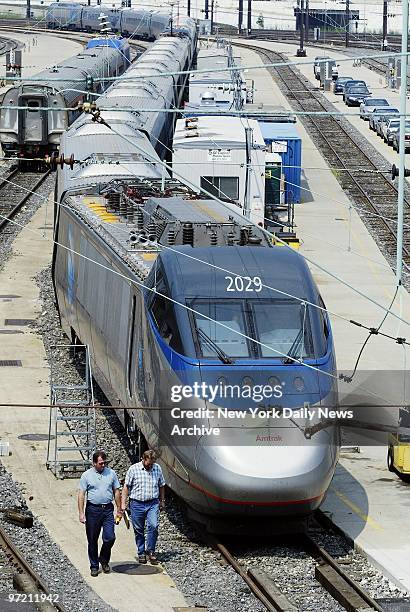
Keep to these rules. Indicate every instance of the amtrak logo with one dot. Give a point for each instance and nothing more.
(70, 268)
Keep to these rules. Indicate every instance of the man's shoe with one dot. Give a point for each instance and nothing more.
(94, 571)
(106, 568)
(142, 559)
(152, 558)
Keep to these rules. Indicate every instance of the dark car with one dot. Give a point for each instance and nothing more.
(378, 113)
(352, 83)
(356, 95)
(340, 84)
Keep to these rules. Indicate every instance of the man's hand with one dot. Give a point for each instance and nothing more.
(162, 504)
(81, 517)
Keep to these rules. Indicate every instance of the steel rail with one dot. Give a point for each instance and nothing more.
(374, 192)
(17, 559)
(5, 182)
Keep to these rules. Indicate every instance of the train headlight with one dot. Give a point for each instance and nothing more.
(247, 381)
(222, 382)
(299, 383)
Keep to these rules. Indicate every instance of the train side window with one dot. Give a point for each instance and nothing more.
(163, 313)
(323, 317)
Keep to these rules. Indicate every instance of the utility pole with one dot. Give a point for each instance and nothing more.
(384, 44)
(301, 51)
(347, 23)
(249, 28)
(171, 19)
(240, 16)
(402, 142)
(188, 8)
(212, 17)
(307, 21)
(206, 9)
(28, 10)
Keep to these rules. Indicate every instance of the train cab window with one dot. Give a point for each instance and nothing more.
(33, 106)
(228, 336)
(222, 187)
(163, 313)
(284, 326)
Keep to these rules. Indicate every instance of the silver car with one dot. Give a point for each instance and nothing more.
(390, 128)
(396, 138)
(368, 106)
(378, 113)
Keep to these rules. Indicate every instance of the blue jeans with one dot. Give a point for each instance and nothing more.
(145, 512)
(97, 518)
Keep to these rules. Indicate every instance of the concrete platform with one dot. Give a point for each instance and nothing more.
(54, 501)
(365, 500)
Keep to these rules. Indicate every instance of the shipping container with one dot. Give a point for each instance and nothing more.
(283, 138)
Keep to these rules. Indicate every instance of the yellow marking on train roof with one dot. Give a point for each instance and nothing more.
(358, 511)
(149, 256)
(209, 211)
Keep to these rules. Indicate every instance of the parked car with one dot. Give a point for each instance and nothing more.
(384, 118)
(378, 113)
(356, 95)
(352, 83)
(317, 63)
(369, 104)
(340, 84)
(390, 128)
(396, 138)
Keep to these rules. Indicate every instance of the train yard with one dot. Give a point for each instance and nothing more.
(335, 565)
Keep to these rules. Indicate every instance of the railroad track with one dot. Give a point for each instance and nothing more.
(16, 188)
(27, 581)
(328, 571)
(370, 189)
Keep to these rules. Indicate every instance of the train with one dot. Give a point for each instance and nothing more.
(130, 22)
(181, 298)
(28, 129)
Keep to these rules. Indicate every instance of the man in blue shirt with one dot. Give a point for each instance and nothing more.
(145, 485)
(101, 485)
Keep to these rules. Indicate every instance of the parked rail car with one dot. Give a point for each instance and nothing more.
(29, 127)
(130, 22)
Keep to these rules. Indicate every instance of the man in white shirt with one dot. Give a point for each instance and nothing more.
(145, 486)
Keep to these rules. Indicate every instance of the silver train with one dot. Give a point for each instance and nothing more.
(136, 23)
(27, 128)
(172, 291)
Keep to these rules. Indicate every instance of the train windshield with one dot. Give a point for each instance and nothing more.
(226, 328)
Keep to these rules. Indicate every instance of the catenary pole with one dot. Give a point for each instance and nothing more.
(384, 36)
(249, 17)
(240, 16)
(28, 9)
(402, 141)
(347, 23)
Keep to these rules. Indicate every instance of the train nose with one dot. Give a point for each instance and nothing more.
(269, 478)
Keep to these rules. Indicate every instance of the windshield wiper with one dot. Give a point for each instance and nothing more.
(221, 354)
(292, 354)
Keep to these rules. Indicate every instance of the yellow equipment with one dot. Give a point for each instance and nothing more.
(398, 456)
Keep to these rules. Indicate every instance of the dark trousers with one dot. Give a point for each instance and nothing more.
(97, 518)
(145, 512)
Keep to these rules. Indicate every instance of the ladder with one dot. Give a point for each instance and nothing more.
(72, 428)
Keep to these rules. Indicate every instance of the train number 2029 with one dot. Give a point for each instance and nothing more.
(244, 283)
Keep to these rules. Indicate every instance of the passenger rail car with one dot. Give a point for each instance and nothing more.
(151, 298)
(29, 125)
(130, 22)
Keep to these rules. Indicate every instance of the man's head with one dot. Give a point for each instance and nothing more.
(148, 459)
(99, 460)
